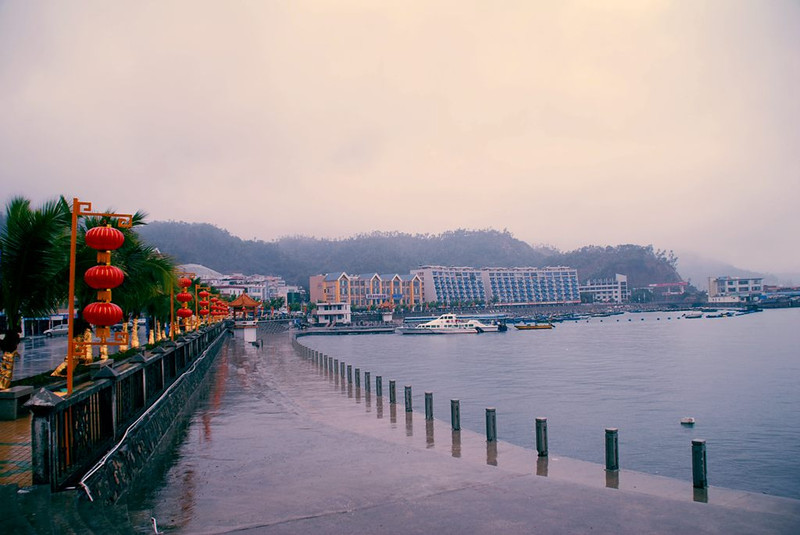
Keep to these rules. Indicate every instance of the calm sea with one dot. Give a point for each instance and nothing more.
(739, 377)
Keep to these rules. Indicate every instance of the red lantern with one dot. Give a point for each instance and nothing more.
(184, 297)
(184, 312)
(104, 277)
(203, 312)
(103, 314)
(104, 238)
(203, 294)
(203, 303)
(184, 282)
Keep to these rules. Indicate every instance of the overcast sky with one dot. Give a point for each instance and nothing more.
(672, 123)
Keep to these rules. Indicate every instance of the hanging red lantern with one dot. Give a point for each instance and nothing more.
(184, 312)
(103, 277)
(184, 282)
(104, 238)
(184, 297)
(103, 314)
(203, 294)
(203, 312)
(203, 303)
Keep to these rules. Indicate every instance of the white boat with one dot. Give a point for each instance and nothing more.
(451, 324)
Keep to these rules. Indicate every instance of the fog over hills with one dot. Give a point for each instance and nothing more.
(295, 258)
(697, 269)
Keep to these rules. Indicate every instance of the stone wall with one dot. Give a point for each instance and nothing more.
(152, 432)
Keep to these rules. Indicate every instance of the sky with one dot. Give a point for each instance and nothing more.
(570, 123)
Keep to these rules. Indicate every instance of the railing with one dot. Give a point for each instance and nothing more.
(70, 434)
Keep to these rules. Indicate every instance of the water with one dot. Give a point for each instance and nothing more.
(738, 377)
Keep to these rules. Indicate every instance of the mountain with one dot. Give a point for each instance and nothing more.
(295, 258)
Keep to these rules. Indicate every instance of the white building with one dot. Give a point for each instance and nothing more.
(333, 314)
(734, 289)
(259, 287)
(499, 285)
(607, 290)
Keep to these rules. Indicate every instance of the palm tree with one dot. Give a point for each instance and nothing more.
(34, 250)
(148, 276)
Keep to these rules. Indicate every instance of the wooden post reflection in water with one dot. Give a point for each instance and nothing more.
(409, 424)
(491, 453)
(541, 466)
(429, 433)
(612, 479)
(455, 437)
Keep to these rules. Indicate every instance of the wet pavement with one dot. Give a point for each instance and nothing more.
(39, 354)
(280, 446)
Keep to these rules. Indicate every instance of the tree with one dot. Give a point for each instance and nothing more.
(34, 252)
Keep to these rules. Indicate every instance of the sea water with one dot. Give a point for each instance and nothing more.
(739, 377)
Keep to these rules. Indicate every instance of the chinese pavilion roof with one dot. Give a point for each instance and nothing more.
(244, 301)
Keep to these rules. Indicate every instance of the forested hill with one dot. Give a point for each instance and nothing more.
(296, 258)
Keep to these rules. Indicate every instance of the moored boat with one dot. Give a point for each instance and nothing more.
(452, 324)
(533, 326)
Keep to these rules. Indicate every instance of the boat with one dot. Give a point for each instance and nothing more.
(452, 324)
(693, 315)
(687, 420)
(533, 326)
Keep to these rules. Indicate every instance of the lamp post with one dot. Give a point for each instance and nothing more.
(183, 276)
(202, 313)
(104, 239)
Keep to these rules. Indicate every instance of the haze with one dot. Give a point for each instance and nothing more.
(672, 123)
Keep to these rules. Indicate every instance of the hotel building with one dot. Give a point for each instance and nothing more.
(502, 286)
(367, 289)
(607, 290)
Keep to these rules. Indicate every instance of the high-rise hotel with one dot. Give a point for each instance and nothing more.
(502, 286)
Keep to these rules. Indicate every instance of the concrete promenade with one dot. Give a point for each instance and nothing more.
(281, 447)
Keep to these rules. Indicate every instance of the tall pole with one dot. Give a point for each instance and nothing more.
(172, 311)
(73, 246)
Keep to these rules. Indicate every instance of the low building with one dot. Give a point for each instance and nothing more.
(607, 290)
(734, 289)
(666, 291)
(331, 314)
(366, 290)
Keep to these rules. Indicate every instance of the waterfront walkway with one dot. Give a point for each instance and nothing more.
(281, 447)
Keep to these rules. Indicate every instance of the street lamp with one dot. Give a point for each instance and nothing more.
(184, 281)
(102, 277)
(202, 302)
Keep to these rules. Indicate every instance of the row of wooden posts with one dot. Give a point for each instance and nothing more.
(332, 365)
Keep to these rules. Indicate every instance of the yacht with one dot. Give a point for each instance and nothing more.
(452, 324)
